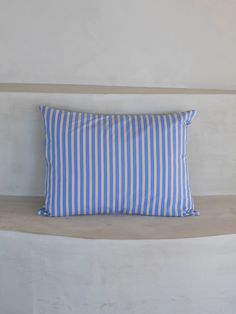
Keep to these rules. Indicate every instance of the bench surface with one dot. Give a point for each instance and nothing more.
(217, 217)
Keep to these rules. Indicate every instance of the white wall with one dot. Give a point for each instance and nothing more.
(212, 136)
(58, 275)
(172, 43)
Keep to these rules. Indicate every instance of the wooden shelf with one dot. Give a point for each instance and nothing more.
(217, 217)
(96, 89)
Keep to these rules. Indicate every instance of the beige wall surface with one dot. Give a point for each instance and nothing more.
(172, 43)
(212, 136)
(164, 43)
(60, 275)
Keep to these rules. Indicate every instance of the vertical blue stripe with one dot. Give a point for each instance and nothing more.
(127, 209)
(135, 165)
(180, 128)
(53, 163)
(64, 162)
(48, 128)
(111, 164)
(105, 163)
(183, 164)
(158, 196)
(70, 133)
(58, 165)
(99, 162)
(116, 166)
(140, 164)
(92, 155)
(87, 149)
(48, 170)
(123, 192)
(146, 178)
(151, 192)
(43, 109)
(163, 166)
(174, 168)
(82, 164)
(168, 166)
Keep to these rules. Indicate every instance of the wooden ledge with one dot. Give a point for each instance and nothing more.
(217, 217)
(101, 89)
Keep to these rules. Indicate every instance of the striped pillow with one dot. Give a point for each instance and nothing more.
(116, 164)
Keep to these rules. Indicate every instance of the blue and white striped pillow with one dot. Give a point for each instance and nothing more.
(116, 164)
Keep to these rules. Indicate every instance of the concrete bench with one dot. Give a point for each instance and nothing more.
(118, 265)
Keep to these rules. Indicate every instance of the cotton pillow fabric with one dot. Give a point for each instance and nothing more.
(116, 164)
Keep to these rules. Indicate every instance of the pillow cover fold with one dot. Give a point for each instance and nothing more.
(116, 163)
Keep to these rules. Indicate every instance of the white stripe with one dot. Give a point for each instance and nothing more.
(67, 162)
(90, 205)
(102, 163)
(113, 164)
(61, 165)
(47, 157)
(119, 160)
(167, 161)
(185, 168)
(161, 169)
(108, 163)
(148, 196)
(137, 163)
(51, 170)
(78, 163)
(125, 166)
(56, 164)
(176, 163)
(181, 162)
(96, 163)
(85, 162)
(73, 162)
(172, 166)
(143, 163)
